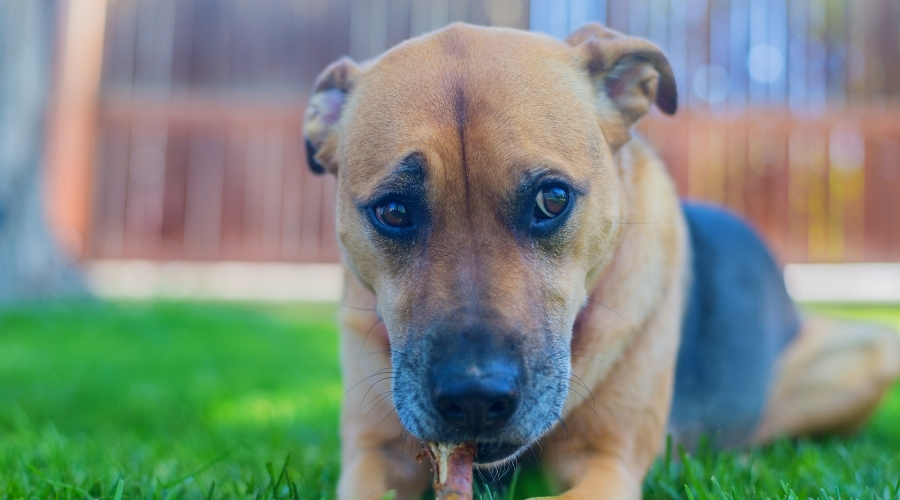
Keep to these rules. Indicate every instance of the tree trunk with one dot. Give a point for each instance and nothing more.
(31, 264)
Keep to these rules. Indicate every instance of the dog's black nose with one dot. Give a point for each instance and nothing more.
(473, 398)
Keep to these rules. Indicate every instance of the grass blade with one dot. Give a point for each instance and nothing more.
(119, 490)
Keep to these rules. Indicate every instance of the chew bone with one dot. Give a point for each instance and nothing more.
(452, 467)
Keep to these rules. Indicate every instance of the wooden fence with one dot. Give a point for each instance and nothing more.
(823, 190)
(199, 152)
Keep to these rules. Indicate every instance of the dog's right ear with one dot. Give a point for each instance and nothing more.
(330, 93)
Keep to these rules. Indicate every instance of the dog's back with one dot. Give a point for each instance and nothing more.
(738, 319)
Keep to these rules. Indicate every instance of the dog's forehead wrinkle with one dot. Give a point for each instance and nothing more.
(460, 113)
(459, 104)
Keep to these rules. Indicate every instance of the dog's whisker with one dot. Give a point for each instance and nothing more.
(592, 404)
(380, 399)
(627, 223)
(386, 415)
(513, 465)
(410, 442)
(373, 399)
(379, 372)
(366, 337)
(592, 354)
(610, 309)
(481, 475)
(556, 449)
(593, 357)
(584, 399)
(568, 434)
(405, 444)
(572, 389)
(590, 357)
(586, 387)
(592, 407)
(348, 306)
(372, 387)
(585, 349)
(503, 469)
(492, 475)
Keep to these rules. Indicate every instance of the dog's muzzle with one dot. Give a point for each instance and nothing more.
(474, 384)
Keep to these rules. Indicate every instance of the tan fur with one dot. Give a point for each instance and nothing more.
(481, 107)
(830, 379)
(631, 327)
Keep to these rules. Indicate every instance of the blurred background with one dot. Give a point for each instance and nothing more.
(174, 149)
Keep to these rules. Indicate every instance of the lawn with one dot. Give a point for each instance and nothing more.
(175, 400)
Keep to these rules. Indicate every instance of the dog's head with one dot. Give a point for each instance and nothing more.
(477, 198)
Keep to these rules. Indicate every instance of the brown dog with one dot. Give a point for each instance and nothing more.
(520, 271)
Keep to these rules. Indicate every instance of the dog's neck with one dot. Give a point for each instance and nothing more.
(641, 271)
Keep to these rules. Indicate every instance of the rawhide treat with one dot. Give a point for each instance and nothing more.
(452, 466)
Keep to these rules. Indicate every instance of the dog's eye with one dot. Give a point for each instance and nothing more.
(393, 214)
(550, 202)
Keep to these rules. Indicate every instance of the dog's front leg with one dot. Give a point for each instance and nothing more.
(368, 474)
(608, 459)
(600, 476)
(375, 457)
(604, 450)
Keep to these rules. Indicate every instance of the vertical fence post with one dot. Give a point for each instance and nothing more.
(73, 124)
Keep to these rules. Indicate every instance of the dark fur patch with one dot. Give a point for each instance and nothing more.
(738, 320)
(314, 165)
(407, 180)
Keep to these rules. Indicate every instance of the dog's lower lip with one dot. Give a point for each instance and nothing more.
(488, 453)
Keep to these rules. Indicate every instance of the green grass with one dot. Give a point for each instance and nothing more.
(172, 400)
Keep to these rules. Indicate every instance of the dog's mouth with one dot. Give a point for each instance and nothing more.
(490, 455)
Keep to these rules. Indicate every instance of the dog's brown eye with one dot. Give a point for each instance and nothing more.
(393, 213)
(550, 202)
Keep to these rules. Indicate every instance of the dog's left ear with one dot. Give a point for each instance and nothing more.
(330, 92)
(629, 74)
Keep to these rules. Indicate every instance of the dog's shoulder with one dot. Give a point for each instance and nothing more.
(738, 318)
